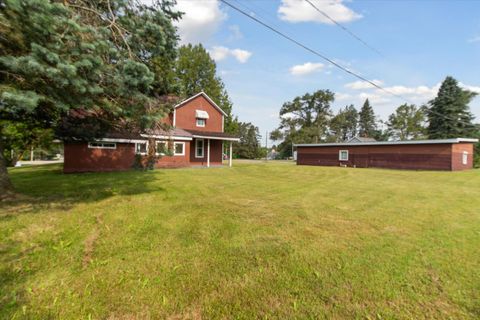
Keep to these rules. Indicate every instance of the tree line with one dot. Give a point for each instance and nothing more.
(310, 119)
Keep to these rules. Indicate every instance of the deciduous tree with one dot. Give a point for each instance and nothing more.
(344, 125)
(407, 123)
(197, 72)
(305, 119)
(249, 145)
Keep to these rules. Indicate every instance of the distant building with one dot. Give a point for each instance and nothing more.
(360, 140)
(272, 154)
(446, 154)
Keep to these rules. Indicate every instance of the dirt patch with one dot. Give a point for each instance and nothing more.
(91, 241)
(194, 314)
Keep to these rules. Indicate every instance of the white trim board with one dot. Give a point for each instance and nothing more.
(193, 97)
(90, 146)
(340, 155)
(120, 140)
(198, 125)
(203, 149)
(216, 138)
(174, 148)
(146, 148)
(166, 137)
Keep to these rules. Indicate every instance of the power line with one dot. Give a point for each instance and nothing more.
(344, 28)
(312, 50)
(373, 84)
(368, 46)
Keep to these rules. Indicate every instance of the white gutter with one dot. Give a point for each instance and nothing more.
(119, 140)
(383, 143)
(217, 138)
(167, 137)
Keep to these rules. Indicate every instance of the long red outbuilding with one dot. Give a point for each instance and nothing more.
(445, 154)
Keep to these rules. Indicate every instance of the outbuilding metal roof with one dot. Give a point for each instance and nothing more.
(383, 143)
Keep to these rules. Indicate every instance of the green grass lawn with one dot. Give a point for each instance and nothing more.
(267, 241)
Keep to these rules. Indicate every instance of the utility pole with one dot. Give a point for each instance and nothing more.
(292, 150)
(266, 145)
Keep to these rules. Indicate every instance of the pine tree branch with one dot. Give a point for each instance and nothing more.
(112, 25)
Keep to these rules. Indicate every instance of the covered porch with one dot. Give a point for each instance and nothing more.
(207, 148)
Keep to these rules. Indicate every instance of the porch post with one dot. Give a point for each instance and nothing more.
(230, 156)
(208, 153)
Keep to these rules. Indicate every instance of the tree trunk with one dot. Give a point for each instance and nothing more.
(6, 187)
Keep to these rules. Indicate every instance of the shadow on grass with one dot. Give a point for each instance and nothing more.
(44, 188)
(47, 187)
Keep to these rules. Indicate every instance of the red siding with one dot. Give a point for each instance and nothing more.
(423, 157)
(175, 161)
(168, 119)
(457, 156)
(185, 115)
(80, 158)
(215, 153)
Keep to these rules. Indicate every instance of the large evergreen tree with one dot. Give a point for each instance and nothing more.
(367, 124)
(88, 55)
(407, 123)
(449, 115)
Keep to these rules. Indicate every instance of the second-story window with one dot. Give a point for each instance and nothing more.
(201, 122)
(201, 117)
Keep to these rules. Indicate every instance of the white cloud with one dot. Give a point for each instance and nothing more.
(420, 92)
(385, 103)
(416, 92)
(200, 21)
(241, 55)
(235, 33)
(474, 39)
(339, 96)
(375, 98)
(302, 11)
(306, 68)
(361, 85)
(220, 53)
(471, 88)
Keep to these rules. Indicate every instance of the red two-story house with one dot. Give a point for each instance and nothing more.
(196, 139)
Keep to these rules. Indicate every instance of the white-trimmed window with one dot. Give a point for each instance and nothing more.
(141, 148)
(199, 148)
(343, 155)
(201, 122)
(465, 157)
(102, 145)
(162, 147)
(179, 148)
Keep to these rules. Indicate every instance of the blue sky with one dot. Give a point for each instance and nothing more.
(421, 42)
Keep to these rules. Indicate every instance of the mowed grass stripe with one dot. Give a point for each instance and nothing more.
(260, 240)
